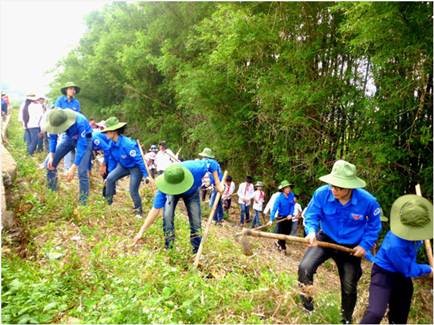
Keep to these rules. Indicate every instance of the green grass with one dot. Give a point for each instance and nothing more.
(79, 267)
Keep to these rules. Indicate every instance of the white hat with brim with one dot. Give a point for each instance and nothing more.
(343, 175)
(59, 120)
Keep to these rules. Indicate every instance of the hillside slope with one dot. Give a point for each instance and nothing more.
(67, 264)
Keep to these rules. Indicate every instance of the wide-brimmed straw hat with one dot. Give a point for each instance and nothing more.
(113, 124)
(411, 217)
(176, 179)
(284, 184)
(68, 85)
(207, 153)
(343, 175)
(59, 120)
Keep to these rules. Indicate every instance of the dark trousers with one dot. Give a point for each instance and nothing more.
(283, 227)
(388, 289)
(349, 268)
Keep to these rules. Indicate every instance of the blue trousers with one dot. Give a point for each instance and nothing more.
(62, 149)
(388, 289)
(135, 179)
(218, 215)
(33, 141)
(192, 203)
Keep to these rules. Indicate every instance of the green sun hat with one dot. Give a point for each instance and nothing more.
(113, 124)
(207, 153)
(411, 217)
(176, 179)
(68, 85)
(343, 175)
(284, 184)
(59, 120)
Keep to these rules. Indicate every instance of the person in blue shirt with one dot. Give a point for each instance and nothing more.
(68, 100)
(78, 135)
(284, 206)
(100, 143)
(207, 155)
(181, 180)
(343, 213)
(129, 161)
(395, 263)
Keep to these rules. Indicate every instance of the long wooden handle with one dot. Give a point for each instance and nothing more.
(427, 242)
(267, 225)
(146, 165)
(254, 233)
(211, 215)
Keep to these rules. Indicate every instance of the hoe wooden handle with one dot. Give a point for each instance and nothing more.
(254, 233)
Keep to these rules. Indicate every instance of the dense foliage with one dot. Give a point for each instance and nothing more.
(278, 90)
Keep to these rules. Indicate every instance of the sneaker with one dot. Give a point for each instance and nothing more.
(138, 216)
(279, 248)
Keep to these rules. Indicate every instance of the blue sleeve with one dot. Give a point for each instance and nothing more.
(405, 264)
(275, 208)
(159, 200)
(57, 103)
(214, 166)
(82, 141)
(291, 208)
(312, 215)
(52, 142)
(138, 159)
(373, 227)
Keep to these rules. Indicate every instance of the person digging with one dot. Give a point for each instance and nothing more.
(347, 215)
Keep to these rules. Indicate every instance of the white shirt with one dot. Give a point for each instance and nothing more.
(36, 112)
(149, 158)
(297, 212)
(258, 200)
(245, 193)
(229, 190)
(163, 159)
(270, 203)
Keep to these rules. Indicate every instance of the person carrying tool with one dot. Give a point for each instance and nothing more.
(129, 161)
(395, 263)
(347, 215)
(150, 160)
(284, 207)
(208, 156)
(182, 180)
(78, 135)
(258, 202)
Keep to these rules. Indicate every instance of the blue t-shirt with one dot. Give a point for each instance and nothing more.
(64, 102)
(285, 205)
(198, 168)
(356, 222)
(100, 142)
(399, 255)
(126, 152)
(80, 131)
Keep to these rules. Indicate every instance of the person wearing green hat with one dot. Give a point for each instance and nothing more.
(78, 135)
(395, 263)
(128, 159)
(208, 156)
(284, 208)
(68, 101)
(182, 180)
(340, 212)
